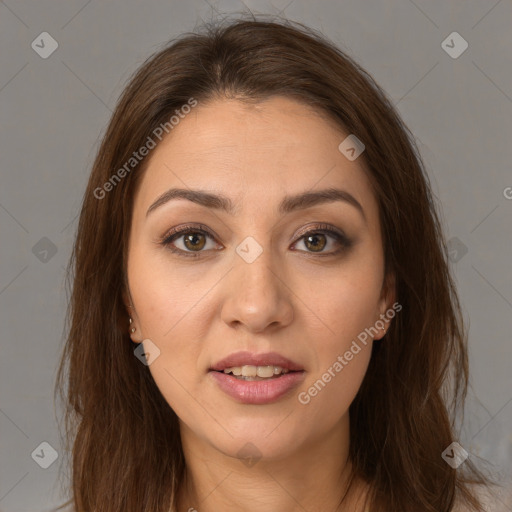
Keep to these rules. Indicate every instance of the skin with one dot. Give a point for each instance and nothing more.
(291, 300)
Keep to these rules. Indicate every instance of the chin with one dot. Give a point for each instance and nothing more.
(263, 437)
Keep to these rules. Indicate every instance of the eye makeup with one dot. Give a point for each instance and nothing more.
(200, 230)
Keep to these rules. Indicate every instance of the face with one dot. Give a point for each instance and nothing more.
(282, 280)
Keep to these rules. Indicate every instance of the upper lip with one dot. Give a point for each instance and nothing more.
(248, 358)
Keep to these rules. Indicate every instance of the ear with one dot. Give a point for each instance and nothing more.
(386, 304)
(133, 326)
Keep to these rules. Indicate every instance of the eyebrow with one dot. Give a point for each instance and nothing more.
(288, 204)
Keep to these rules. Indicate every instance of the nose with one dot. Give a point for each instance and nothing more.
(256, 296)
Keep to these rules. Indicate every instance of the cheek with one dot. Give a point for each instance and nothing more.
(164, 295)
(342, 341)
(341, 356)
(349, 304)
(172, 315)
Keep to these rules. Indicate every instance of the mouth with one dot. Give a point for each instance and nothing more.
(256, 379)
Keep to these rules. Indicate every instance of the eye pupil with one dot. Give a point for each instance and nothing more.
(192, 238)
(316, 248)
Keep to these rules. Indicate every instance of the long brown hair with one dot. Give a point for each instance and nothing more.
(124, 438)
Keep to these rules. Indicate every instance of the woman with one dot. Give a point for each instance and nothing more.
(262, 314)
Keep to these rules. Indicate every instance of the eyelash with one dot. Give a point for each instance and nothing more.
(324, 229)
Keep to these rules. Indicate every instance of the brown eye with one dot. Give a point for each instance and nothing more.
(315, 242)
(194, 241)
(322, 240)
(189, 241)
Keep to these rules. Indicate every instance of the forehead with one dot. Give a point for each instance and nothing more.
(270, 149)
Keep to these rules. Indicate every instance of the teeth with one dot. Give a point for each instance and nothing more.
(264, 371)
(256, 371)
(249, 371)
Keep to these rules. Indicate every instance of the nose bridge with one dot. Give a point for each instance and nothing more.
(256, 269)
(257, 296)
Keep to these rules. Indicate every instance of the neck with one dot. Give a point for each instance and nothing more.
(315, 476)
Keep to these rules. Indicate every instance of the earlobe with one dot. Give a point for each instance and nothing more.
(133, 330)
(132, 323)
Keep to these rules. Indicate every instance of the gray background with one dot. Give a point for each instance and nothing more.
(54, 110)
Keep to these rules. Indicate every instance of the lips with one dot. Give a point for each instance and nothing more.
(257, 392)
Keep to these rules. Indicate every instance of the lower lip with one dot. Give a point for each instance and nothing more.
(257, 392)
